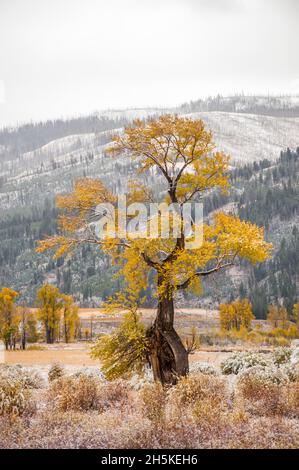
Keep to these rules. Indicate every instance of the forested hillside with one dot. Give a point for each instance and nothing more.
(264, 192)
(40, 160)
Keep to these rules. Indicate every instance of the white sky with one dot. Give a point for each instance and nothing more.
(65, 57)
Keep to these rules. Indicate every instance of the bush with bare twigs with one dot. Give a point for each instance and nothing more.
(153, 402)
(70, 393)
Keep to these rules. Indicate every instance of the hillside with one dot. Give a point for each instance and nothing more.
(251, 137)
(283, 106)
(31, 175)
(40, 160)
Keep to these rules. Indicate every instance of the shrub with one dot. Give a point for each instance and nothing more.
(292, 371)
(281, 355)
(291, 399)
(283, 342)
(74, 393)
(153, 402)
(203, 368)
(91, 372)
(240, 361)
(84, 392)
(294, 359)
(13, 398)
(28, 379)
(15, 391)
(56, 371)
(195, 388)
(113, 394)
(138, 381)
(261, 390)
(210, 412)
(267, 375)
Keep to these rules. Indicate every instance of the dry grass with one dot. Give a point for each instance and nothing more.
(47, 356)
(77, 354)
(113, 416)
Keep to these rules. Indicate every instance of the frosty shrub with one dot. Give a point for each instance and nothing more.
(153, 402)
(13, 398)
(294, 359)
(266, 375)
(210, 412)
(29, 379)
(15, 391)
(261, 388)
(292, 371)
(244, 360)
(74, 393)
(203, 368)
(138, 381)
(56, 371)
(91, 372)
(291, 399)
(113, 394)
(281, 355)
(194, 388)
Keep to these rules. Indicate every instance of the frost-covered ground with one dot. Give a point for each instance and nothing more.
(251, 401)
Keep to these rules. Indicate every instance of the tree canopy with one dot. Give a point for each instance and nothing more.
(181, 152)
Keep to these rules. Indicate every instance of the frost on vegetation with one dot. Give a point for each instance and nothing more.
(73, 393)
(56, 371)
(294, 358)
(280, 366)
(281, 355)
(241, 361)
(264, 375)
(28, 378)
(292, 371)
(203, 368)
(16, 384)
(85, 392)
(138, 381)
(90, 372)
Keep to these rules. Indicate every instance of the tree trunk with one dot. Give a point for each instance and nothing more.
(168, 356)
(23, 342)
(49, 335)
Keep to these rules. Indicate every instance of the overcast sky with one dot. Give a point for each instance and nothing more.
(65, 57)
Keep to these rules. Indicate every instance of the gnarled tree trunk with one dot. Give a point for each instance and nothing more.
(168, 356)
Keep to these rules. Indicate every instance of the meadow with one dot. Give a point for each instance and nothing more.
(239, 394)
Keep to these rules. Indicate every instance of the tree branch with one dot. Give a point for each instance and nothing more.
(185, 284)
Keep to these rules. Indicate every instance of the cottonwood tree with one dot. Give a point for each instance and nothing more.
(70, 317)
(277, 316)
(295, 315)
(9, 320)
(49, 304)
(181, 153)
(28, 325)
(236, 315)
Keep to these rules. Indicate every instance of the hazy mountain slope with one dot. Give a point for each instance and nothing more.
(284, 106)
(52, 168)
(250, 137)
